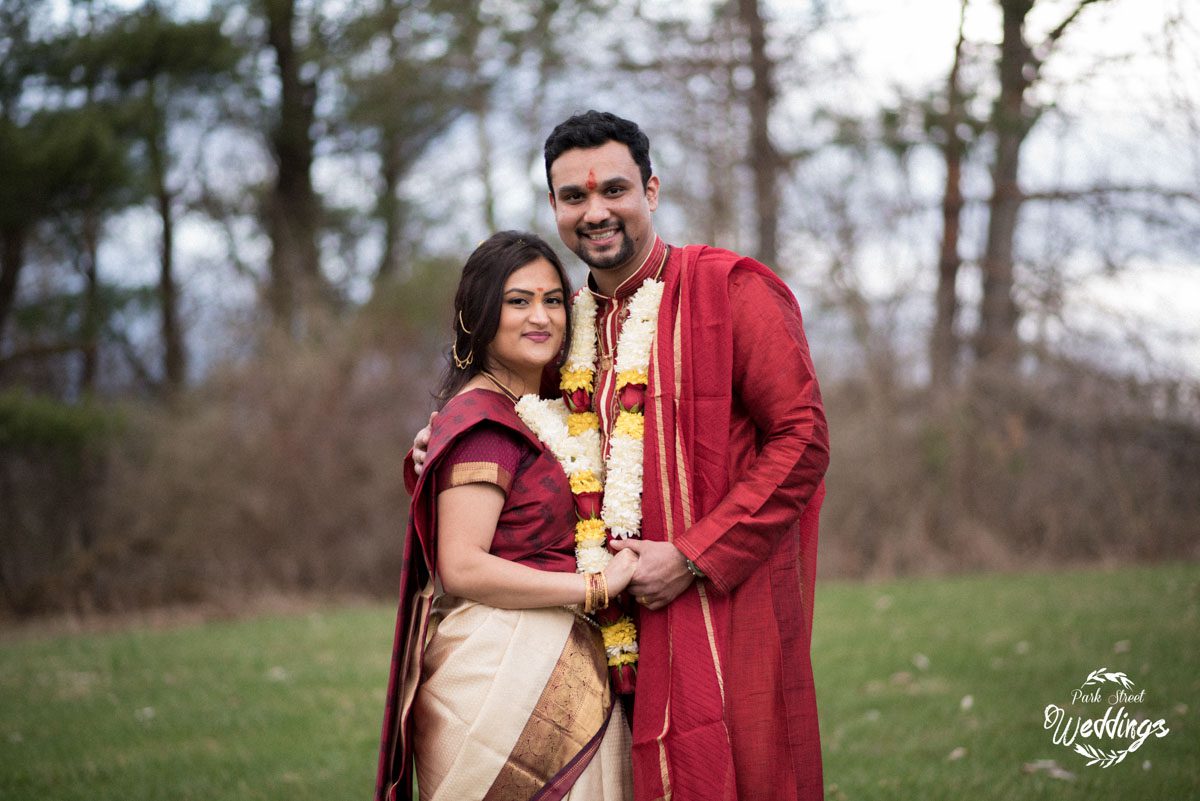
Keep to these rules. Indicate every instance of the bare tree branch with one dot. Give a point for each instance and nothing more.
(41, 351)
(1103, 190)
(1058, 32)
(1042, 52)
(133, 359)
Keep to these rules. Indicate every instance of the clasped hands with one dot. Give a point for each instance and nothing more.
(661, 573)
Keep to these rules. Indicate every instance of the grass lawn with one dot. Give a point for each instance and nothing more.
(896, 661)
(287, 707)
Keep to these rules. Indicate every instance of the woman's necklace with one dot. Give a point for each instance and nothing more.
(512, 396)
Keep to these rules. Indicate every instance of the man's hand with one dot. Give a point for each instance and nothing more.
(661, 573)
(421, 445)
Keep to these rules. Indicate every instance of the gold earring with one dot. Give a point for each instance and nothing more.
(462, 364)
(460, 322)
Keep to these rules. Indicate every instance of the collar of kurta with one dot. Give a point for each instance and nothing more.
(651, 267)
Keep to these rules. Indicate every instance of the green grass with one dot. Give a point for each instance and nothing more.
(269, 708)
(288, 707)
(1014, 644)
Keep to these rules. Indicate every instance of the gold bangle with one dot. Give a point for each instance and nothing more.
(603, 582)
(589, 593)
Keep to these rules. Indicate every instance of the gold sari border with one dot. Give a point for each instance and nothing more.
(479, 472)
(572, 709)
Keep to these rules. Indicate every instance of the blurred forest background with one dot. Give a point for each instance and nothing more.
(229, 233)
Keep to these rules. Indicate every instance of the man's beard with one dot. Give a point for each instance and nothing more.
(624, 253)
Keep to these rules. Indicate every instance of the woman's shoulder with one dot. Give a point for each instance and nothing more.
(477, 409)
(479, 438)
(480, 403)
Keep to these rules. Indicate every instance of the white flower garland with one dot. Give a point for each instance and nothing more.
(574, 439)
(582, 353)
(622, 511)
(548, 420)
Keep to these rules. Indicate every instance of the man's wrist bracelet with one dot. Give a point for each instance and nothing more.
(695, 571)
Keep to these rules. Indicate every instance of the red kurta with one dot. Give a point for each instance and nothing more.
(736, 450)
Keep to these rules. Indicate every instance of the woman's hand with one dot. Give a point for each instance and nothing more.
(620, 571)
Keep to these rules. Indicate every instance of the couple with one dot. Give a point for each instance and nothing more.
(682, 464)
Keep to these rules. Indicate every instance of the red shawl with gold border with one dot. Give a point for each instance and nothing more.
(736, 450)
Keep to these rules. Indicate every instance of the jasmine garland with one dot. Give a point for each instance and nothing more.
(572, 432)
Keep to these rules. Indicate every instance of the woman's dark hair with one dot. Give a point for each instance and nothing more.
(593, 129)
(479, 299)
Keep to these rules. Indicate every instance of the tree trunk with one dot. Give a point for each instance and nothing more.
(535, 157)
(943, 345)
(174, 356)
(720, 214)
(718, 224)
(996, 345)
(12, 259)
(293, 216)
(484, 143)
(388, 209)
(91, 302)
(764, 158)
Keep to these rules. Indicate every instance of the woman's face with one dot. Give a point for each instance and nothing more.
(533, 317)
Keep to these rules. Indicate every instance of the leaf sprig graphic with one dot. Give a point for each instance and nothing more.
(1096, 756)
(1102, 675)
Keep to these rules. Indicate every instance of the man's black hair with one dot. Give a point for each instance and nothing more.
(593, 129)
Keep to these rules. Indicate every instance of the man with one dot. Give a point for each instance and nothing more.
(735, 450)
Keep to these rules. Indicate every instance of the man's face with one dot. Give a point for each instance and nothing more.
(600, 207)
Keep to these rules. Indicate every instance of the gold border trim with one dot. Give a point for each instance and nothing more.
(668, 510)
(479, 472)
(579, 683)
(680, 464)
(712, 639)
(685, 493)
(669, 520)
(665, 774)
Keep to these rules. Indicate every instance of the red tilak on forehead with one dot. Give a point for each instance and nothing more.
(591, 181)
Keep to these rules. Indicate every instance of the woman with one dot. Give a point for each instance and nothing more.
(498, 689)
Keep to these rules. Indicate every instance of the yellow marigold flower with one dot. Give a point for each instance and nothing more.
(629, 424)
(589, 531)
(623, 632)
(578, 423)
(585, 481)
(635, 376)
(571, 380)
(623, 658)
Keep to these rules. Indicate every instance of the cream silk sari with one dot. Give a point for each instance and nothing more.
(515, 705)
(491, 703)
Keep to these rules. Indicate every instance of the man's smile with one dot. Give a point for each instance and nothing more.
(600, 235)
